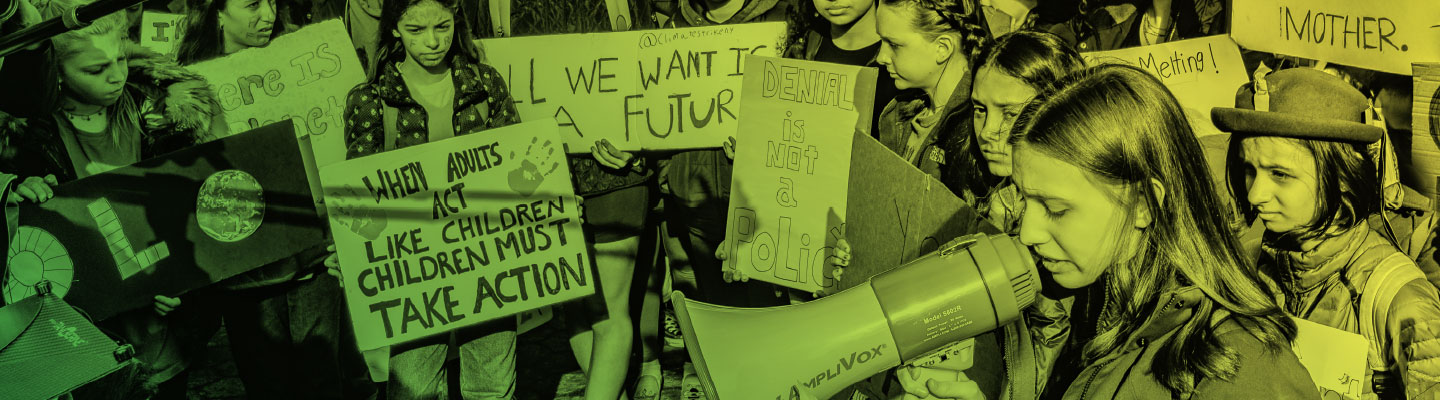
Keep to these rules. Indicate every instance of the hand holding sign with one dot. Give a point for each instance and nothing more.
(164, 305)
(35, 189)
(839, 259)
(610, 156)
(728, 272)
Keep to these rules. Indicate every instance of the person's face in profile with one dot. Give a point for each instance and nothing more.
(426, 29)
(246, 23)
(912, 59)
(96, 69)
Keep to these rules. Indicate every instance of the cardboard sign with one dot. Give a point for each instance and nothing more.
(792, 161)
(302, 76)
(1380, 35)
(898, 213)
(1424, 170)
(168, 225)
(1335, 358)
(1202, 73)
(161, 31)
(653, 90)
(452, 233)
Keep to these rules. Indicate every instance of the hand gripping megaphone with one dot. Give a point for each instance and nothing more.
(970, 286)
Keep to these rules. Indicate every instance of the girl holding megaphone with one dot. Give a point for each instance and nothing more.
(1115, 205)
(1166, 305)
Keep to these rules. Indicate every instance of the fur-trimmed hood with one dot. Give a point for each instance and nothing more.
(184, 98)
(180, 100)
(172, 107)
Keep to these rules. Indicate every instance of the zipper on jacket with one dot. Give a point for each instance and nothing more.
(1009, 361)
(1086, 389)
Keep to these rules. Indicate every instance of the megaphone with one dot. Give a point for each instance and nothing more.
(970, 286)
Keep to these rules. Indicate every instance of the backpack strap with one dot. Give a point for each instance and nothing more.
(1390, 275)
(391, 115)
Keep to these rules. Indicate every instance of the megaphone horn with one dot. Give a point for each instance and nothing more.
(971, 286)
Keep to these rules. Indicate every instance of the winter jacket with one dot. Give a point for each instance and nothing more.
(1325, 285)
(171, 107)
(1413, 225)
(1031, 345)
(482, 101)
(1126, 373)
(950, 154)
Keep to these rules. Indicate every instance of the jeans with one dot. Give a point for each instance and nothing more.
(487, 364)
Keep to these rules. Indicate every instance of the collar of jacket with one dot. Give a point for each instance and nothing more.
(1310, 269)
(1173, 308)
(752, 9)
(468, 88)
(913, 101)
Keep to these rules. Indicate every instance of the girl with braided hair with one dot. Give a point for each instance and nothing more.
(928, 47)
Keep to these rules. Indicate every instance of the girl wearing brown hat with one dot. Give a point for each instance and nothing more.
(1299, 162)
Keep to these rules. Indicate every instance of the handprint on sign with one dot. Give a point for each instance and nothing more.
(525, 179)
(351, 211)
(786, 195)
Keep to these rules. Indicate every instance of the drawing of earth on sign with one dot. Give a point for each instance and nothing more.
(35, 255)
(230, 205)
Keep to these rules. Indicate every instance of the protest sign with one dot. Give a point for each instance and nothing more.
(1380, 35)
(1335, 359)
(161, 31)
(164, 226)
(897, 213)
(451, 233)
(302, 76)
(1202, 73)
(652, 90)
(1424, 170)
(792, 161)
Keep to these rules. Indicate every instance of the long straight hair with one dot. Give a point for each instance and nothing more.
(390, 49)
(964, 172)
(1123, 126)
